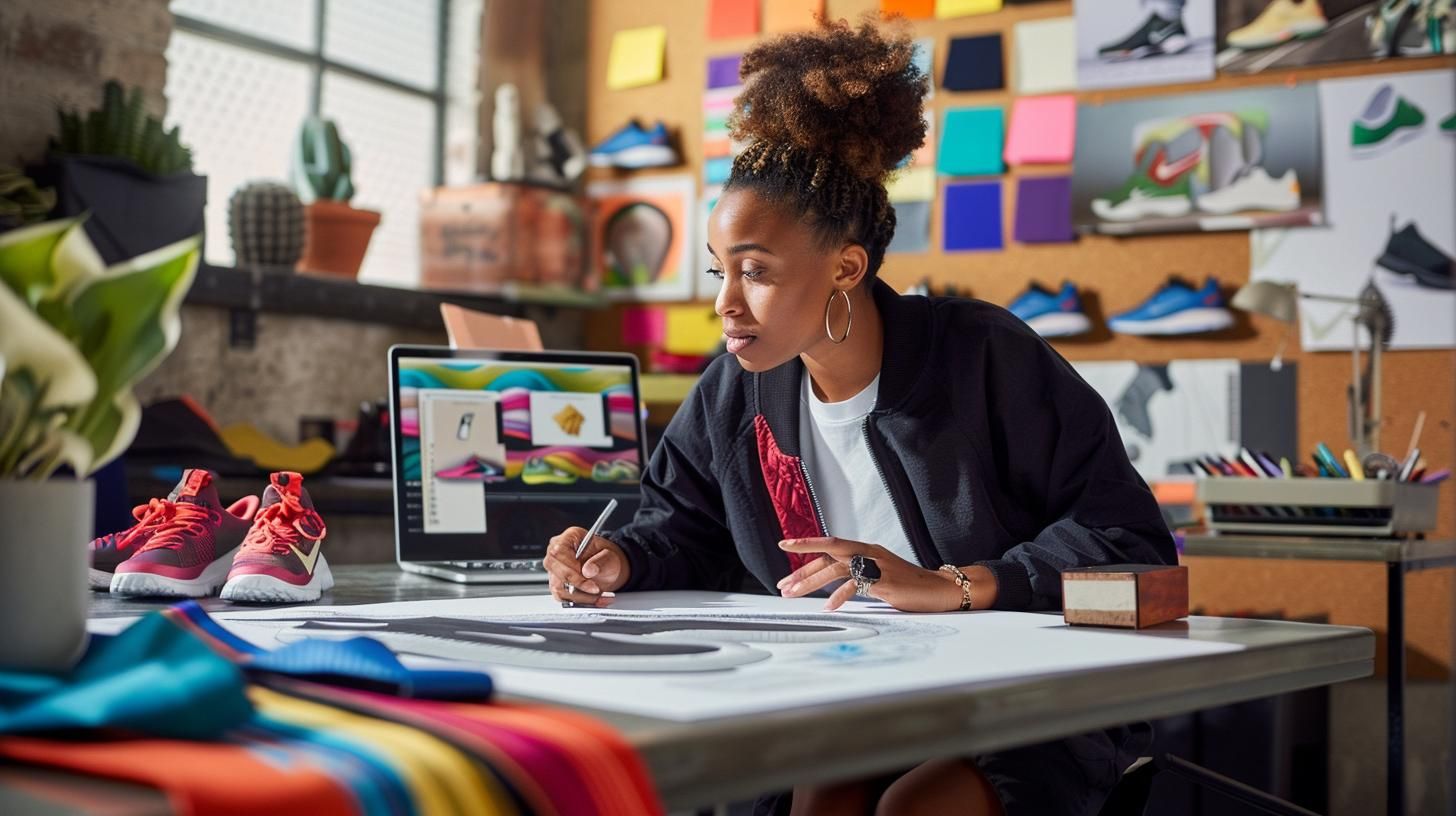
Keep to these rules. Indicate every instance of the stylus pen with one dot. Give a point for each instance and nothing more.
(590, 534)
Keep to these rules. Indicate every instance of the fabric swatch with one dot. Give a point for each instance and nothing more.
(914, 184)
(972, 217)
(1043, 130)
(965, 8)
(912, 227)
(1046, 55)
(723, 71)
(974, 64)
(636, 57)
(1044, 210)
(909, 9)
(781, 16)
(729, 19)
(971, 143)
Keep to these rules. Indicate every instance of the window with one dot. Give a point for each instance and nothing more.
(398, 76)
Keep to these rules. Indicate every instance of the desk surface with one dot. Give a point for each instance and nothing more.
(1419, 554)
(697, 764)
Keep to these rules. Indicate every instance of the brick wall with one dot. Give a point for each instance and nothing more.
(60, 52)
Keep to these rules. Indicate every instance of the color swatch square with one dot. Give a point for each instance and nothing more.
(972, 217)
(730, 19)
(974, 64)
(971, 142)
(1044, 210)
(1043, 130)
(912, 227)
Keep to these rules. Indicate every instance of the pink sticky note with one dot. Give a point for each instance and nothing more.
(1043, 130)
(643, 326)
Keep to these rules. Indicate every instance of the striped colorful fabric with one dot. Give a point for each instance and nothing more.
(324, 748)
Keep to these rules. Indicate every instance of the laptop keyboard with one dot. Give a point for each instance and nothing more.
(500, 566)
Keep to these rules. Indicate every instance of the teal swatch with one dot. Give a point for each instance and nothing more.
(971, 142)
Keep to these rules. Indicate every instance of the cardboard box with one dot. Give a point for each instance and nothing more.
(488, 238)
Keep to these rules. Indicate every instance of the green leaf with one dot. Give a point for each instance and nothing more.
(31, 345)
(128, 318)
(111, 432)
(25, 258)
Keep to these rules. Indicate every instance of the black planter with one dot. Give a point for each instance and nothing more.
(131, 210)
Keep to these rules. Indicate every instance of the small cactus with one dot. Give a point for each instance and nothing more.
(122, 128)
(265, 220)
(321, 163)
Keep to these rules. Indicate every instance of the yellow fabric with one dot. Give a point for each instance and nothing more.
(246, 441)
(442, 780)
(962, 8)
(636, 57)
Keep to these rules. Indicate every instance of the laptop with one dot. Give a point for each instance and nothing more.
(497, 451)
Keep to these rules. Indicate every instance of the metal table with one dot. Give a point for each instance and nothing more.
(701, 763)
(1399, 556)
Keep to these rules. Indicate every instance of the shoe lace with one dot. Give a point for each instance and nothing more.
(175, 522)
(280, 525)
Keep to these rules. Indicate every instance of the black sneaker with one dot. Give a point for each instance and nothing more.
(1156, 37)
(1409, 253)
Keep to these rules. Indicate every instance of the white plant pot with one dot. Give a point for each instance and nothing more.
(44, 593)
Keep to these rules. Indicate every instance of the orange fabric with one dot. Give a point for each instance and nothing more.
(196, 777)
(912, 9)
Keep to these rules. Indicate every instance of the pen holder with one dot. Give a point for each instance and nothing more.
(1319, 507)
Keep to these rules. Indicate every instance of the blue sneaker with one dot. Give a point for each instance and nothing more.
(634, 148)
(1176, 308)
(1052, 314)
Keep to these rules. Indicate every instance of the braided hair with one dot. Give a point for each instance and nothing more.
(827, 117)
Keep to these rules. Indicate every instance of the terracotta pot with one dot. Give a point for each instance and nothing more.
(335, 237)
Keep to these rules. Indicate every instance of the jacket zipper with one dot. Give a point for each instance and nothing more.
(884, 480)
(813, 498)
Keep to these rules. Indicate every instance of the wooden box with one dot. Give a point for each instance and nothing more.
(1132, 596)
(496, 238)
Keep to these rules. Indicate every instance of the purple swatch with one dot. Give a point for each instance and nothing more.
(1044, 210)
(723, 71)
(972, 216)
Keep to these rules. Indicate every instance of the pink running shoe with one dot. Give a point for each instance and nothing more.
(180, 547)
(281, 560)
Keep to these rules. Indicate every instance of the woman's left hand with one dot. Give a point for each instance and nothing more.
(901, 584)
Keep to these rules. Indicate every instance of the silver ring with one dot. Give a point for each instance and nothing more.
(864, 573)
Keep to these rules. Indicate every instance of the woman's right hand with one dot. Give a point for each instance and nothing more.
(591, 581)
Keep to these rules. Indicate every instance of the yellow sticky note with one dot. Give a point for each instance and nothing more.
(912, 184)
(964, 8)
(636, 57)
(692, 329)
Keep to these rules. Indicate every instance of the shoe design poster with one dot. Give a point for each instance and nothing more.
(1169, 413)
(1274, 35)
(1126, 43)
(691, 656)
(641, 231)
(1390, 156)
(1231, 160)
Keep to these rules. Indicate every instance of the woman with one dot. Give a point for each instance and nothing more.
(935, 452)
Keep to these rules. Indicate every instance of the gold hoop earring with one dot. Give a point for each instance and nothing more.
(849, 311)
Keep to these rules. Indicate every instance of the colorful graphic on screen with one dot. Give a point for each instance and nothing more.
(489, 421)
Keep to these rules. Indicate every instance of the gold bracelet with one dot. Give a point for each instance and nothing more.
(961, 581)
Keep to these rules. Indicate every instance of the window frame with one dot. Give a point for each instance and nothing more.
(319, 64)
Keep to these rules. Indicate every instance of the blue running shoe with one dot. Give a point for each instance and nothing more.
(1052, 314)
(633, 148)
(1176, 308)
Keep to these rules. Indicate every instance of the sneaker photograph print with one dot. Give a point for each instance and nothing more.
(1388, 121)
(188, 547)
(281, 559)
(1280, 22)
(1156, 37)
(1176, 309)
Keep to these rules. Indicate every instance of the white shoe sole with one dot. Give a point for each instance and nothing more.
(1270, 195)
(267, 589)
(634, 158)
(149, 584)
(1060, 324)
(1188, 321)
(1130, 210)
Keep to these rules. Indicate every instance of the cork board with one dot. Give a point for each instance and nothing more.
(1116, 273)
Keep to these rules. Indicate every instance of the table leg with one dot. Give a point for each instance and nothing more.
(1395, 689)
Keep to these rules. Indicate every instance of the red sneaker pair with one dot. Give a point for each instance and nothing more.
(187, 545)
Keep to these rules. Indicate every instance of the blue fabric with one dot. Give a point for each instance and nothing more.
(155, 678)
(376, 787)
(357, 662)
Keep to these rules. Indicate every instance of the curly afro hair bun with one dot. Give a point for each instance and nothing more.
(850, 95)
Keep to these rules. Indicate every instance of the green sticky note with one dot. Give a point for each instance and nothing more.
(970, 142)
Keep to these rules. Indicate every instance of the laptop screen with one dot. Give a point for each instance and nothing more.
(496, 453)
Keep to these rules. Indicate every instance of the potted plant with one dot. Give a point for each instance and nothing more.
(75, 335)
(336, 235)
(132, 178)
(21, 202)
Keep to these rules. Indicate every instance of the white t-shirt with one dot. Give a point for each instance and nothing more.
(852, 494)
